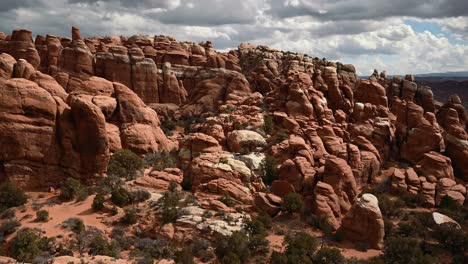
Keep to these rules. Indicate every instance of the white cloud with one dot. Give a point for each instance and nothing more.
(360, 32)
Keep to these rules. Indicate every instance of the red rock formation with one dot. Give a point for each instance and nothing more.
(364, 222)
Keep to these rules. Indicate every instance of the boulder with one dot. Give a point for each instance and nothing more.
(262, 202)
(364, 222)
(435, 164)
(245, 141)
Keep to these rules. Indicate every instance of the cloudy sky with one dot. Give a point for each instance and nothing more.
(400, 36)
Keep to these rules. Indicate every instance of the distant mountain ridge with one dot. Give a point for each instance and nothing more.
(444, 74)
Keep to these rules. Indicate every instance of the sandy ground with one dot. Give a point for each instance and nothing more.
(58, 213)
(348, 250)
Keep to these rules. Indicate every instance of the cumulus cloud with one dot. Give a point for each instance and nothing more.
(368, 9)
(368, 33)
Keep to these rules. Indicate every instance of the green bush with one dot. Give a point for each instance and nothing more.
(265, 219)
(130, 217)
(7, 213)
(7, 228)
(120, 197)
(234, 247)
(227, 200)
(257, 236)
(200, 248)
(186, 184)
(139, 196)
(100, 246)
(292, 203)
(11, 196)
(169, 204)
(109, 183)
(74, 224)
(98, 202)
(452, 238)
(184, 256)
(162, 160)
(268, 124)
(300, 247)
(328, 255)
(168, 126)
(403, 250)
(271, 172)
(278, 258)
(42, 216)
(121, 235)
(449, 204)
(28, 244)
(231, 258)
(70, 190)
(124, 164)
(156, 248)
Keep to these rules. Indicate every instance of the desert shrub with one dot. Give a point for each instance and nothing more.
(449, 204)
(114, 210)
(162, 160)
(11, 196)
(42, 216)
(233, 247)
(390, 207)
(139, 196)
(300, 247)
(281, 136)
(200, 248)
(186, 184)
(98, 202)
(258, 243)
(271, 172)
(411, 200)
(265, 219)
(120, 197)
(169, 205)
(278, 258)
(74, 224)
(452, 238)
(268, 124)
(184, 256)
(328, 255)
(120, 235)
(403, 250)
(255, 227)
(130, 217)
(125, 164)
(257, 236)
(7, 228)
(292, 203)
(63, 251)
(106, 184)
(168, 126)
(388, 226)
(70, 189)
(231, 258)
(7, 213)
(27, 245)
(100, 246)
(155, 248)
(227, 200)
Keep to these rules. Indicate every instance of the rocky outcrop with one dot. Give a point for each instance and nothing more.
(245, 141)
(364, 223)
(327, 205)
(339, 175)
(47, 131)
